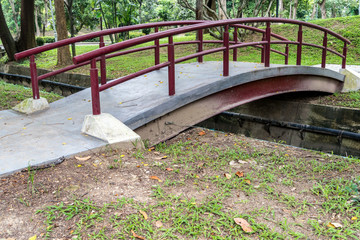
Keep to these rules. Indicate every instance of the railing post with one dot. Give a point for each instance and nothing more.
(226, 52)
(263, 49)
(268, 47)
(236, 41)
(34, 78)
(344, 54)
(323, 60)
(102, 62)
(200, 44)
(299, 47)
(157, 48)
(287, 54)
(95, 95)
(171, 68)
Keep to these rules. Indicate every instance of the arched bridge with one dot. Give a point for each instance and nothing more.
(162, 100)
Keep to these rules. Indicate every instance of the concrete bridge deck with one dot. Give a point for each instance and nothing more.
(43, 138)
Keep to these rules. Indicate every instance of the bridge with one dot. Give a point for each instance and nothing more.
(160, 101)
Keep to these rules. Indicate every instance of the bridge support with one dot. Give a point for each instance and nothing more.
(106, 127)
(30, 105)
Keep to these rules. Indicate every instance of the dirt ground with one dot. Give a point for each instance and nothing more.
(280, 204)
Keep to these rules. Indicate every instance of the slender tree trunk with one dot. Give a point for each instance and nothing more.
(281, 8)
(63, 53)
(295, 9)
(222, 9)
(199, 10)
(27, 34)
(37, 22)
(69, 6)
(45, 17)
(323, 9)
(6, 38)
(313, 14)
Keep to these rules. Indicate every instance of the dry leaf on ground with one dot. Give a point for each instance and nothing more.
(247, 181)
(144, 214)
(137, 236)
(244, 224)
(202, 133)
(239, 174)
(169, 169)
(158, 224)
(228, 176)
(334, 225)
(160, 158)
(155, 178)
(83, 158)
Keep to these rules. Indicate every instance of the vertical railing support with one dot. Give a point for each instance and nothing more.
(200, 44)
(344, 54)
(267, 45)
(299, 47)
(226, 52)
(34, 78)
(236, 41)
(171, 68)
(95, 95)
(323, 59)
(157, 48)
(287, 54)
(263, 49)
(102, 62)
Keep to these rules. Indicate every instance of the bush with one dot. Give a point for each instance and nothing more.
(92, 40)
(135, 34)
(146, 31)
(40, 41)
(49, 39)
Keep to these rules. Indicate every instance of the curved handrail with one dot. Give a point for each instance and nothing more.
(132, 42)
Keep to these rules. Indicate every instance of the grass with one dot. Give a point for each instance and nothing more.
(11, 94)
(199, 167)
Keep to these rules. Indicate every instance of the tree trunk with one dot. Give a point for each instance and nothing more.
(63, 53)
(313, 14)
(222, 9)
(27, 34)
(295, 9)
(322, 8)
(37, 22)
(45, 17)
(6, 38)
(199, 10)
(69, 6)
(281, 8)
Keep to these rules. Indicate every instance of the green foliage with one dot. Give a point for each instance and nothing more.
(48, 39)
(40, 41)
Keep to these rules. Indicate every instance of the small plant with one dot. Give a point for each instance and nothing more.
(31, 178)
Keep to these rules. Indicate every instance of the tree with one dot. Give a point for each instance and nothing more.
(63, 53)
(6, 37)
(27, 33)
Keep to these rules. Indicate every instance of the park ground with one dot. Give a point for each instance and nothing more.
(190, 187)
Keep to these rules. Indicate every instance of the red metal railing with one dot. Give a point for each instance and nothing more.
(105, 52)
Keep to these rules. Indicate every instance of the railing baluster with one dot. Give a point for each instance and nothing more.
(226, 52)
(236, 41)
(171, 68)
(95, 96)
(102, 62)
(323, 60)
(344, 53)
(299, 47)
(34, 78)
(287, 54)
(157, 48)
(200, 44)
(268, 46)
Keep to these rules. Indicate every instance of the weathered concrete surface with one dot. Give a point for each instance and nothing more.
(47, 136)
(352, 80)
(30, 105)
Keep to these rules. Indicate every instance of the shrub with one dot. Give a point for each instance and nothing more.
(40, 41)
(146, 31)
(135, 34)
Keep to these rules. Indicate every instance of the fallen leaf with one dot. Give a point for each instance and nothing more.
(152, 148)
(158, 224)
(83, 158)
(202, 133)
(155, 178)
(239, 174)
(247, 181)
(69, 118)
(228, 176)
(169, 169)
(354, 218)
(244, 224)
(33, 238)
(334, 225)
(137, 236)
(144, 214)
(160, 158)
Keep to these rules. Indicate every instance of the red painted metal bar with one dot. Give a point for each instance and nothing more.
(95, 96)
(344, 54)
(235, 42)
(287, 54)
(171, 67)
(102, 62)
(226, 52)
(299, 47)
(157, 48)
(205, 52)
(267, 45)
(263, 49)
(200, 44)
(131, 76)
(323, 59)
(34, 79)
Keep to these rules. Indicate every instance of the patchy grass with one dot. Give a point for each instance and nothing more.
(191, 187)
(11, 94)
